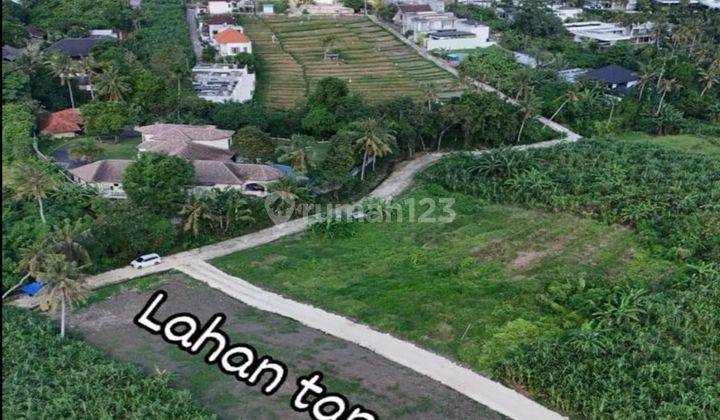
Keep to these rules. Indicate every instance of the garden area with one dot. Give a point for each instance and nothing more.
(584, 259)
(375, 64)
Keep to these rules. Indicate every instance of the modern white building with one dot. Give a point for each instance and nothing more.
(231, 41)
(607, 34)
(223, 82)
(566, 13)
(219, 7)
(466, 34)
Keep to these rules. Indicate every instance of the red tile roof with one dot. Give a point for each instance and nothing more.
(231, 36)
(219, 20)
(65, 121)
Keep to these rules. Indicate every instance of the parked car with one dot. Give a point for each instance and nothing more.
(146, 261)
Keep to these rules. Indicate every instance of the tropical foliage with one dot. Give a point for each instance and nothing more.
(54, 378)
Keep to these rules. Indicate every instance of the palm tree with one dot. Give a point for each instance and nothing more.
(569, 96)
(111, 84)
(430, 97)
(298, 153)
(67, 240)
(666, 85)
(530, 105)
(374, 139)
(290, 193)
(234, 209)
(646, 74)
(195, 211)
(87, 66)
(31, 181)
(62, 67)
(62, 285)
(31, 259)
(523, 81)
(709, 77)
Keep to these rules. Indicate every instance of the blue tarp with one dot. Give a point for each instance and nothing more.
(32, 288)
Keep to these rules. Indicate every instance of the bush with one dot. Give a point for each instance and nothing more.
(333, 227)
(45, 376)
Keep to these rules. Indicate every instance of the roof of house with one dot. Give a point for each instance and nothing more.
(33, 31)
(231, 36)
(207, 172)
(212, 172)
(161, 131)
(78, 47)
(187, 150)
(220, 19)
(414, 8)
(612, 74)
(451, 33)
(110, 171)
(10, 53)
(65, 121)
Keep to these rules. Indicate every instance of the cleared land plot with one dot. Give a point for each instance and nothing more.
(365, 378)
(450, 287)
(375, 64)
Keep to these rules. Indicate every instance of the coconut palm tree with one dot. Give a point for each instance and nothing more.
(665, 86)
(709, 78)
(430, 97)
(67, 239)
(298, 153)
(195, 211)
(87, 66)
(63, 286)
(233, 209)
(523, 81)
(62, 67)
(111, 84)
(569, 96)
(31, 260)
(31, 180)
(646, 74)
(374, 139)
(291, 195)
(530, 104)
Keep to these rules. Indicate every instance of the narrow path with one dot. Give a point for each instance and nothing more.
(191, 17)
(481, 389)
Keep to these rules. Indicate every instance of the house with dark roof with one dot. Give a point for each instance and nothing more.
(65, 123)
(10, 53)
(614, 77)
(78, 47)
(251, 179)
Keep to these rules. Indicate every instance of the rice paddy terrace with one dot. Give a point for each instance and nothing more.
(375, 63)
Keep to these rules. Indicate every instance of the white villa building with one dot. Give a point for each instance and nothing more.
(466, 34)
(223, 82)
(607, 34)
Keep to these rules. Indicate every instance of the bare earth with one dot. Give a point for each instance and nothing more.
(389, 389)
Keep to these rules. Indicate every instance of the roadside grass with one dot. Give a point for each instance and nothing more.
(685, 142)
(375, 64)
(458, 288)
(142, 284)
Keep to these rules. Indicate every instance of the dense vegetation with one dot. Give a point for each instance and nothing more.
(677, 91)
(636, 348)
(45, 376)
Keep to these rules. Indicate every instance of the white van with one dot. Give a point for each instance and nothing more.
(146, 261)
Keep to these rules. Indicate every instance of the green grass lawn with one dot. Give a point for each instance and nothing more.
(122, 149)
(458, 288)
(685, 142)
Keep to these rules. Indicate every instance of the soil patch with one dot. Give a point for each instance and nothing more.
(365, 378)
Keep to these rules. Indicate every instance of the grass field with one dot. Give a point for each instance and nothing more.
(459, 288)
(684, 142)
(375, 64)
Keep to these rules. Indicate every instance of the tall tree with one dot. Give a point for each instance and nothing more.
(31, 261)
(374, 139)
(530, 104)
(31, 180)
(68, 238)
(569, 97)
(666, 86)
(112, 84)
(63, 286)
(87, 66)
(298, 153)
(63, 68)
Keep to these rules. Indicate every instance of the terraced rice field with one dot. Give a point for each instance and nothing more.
(375, 64)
